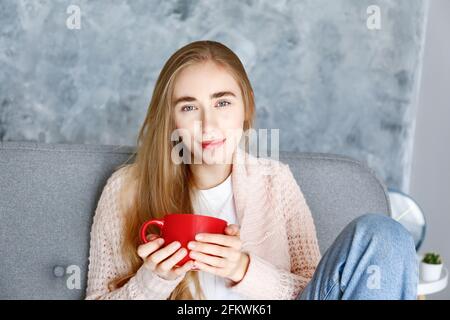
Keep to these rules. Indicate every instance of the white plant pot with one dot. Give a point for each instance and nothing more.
(430, 272)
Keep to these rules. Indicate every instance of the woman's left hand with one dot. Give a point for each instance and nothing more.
(220, 254)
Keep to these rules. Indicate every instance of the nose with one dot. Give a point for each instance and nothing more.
(209, 121)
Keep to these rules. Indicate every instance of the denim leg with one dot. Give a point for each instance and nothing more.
(374, 257)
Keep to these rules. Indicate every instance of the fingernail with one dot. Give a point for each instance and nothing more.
(160, 241)
(199, 237)
(191, 245)
(176, 244)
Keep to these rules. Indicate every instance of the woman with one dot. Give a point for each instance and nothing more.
(204, 102)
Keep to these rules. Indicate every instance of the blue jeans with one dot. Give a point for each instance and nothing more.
(374, 257)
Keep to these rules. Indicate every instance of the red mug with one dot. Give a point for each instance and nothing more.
(183, 227)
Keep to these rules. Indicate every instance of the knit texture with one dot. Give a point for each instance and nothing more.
(276, 229)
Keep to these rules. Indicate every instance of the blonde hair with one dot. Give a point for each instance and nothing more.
(156, 185)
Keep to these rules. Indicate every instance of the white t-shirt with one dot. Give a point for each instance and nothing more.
(214, 287)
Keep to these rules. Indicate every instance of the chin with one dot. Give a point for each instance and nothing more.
(217, 157)
(210, 159)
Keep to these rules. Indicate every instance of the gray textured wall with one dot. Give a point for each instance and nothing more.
(331, 84)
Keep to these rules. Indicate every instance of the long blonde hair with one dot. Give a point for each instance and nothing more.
(156, 185)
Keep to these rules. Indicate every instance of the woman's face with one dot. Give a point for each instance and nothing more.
(208, 107)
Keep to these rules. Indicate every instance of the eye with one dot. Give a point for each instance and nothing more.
(224, 101)
(187, 108)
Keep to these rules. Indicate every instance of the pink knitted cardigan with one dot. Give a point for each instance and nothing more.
(277, 231)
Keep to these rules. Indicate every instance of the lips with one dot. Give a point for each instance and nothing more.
(212, 143)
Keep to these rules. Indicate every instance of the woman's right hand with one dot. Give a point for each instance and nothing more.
(162, 261)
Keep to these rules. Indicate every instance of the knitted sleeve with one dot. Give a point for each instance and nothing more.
(265, 281)
(105, 260)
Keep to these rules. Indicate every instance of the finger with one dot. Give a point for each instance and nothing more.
(148, 248)
(207, 268)
(232, 230)
(169, 263)
(184, 268)
(163, 253)
(209, 248)
(221, 239)
(152, 236)
(208, 259)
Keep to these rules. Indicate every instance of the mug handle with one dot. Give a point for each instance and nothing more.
(157, 222)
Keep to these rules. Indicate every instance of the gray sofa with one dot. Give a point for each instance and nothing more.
(49, 192)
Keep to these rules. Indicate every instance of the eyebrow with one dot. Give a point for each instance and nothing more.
(213, 96)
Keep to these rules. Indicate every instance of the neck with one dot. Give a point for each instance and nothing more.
(209, 176)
